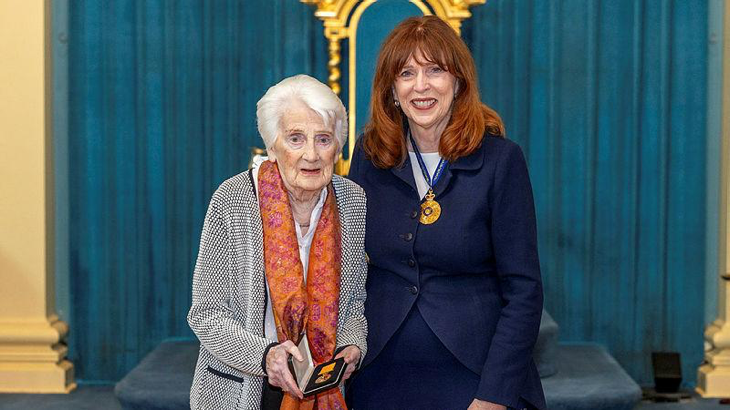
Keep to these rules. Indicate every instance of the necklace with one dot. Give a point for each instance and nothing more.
(430, 209)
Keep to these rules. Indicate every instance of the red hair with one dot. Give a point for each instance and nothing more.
(384, 142)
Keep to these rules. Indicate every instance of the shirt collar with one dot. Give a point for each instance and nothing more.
(313, 220)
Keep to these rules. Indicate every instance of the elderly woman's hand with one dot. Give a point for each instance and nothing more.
(352, 357)
(277, 367)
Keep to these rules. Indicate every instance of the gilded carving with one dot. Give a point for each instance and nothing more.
(335, 14)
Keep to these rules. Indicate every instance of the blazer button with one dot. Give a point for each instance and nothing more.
(414, 214)
(408, 236)
(411, 263)
(414, 290)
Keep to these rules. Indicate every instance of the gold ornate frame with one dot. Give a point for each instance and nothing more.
(335, 15)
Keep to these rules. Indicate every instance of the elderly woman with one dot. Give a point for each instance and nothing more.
(454, 290)
(281, 257)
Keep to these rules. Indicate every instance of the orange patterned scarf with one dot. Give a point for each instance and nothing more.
(298, 306)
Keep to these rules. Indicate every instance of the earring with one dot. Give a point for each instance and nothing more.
(397, 103)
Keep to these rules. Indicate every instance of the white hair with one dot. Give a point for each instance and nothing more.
(305, 89)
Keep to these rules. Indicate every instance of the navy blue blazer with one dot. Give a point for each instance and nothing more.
(474, 274)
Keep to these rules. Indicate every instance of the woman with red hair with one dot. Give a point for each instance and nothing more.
(454, 289)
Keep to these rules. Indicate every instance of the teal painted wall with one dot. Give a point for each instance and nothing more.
(608, 100)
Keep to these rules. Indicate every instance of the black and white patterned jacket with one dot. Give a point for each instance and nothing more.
(229, 292)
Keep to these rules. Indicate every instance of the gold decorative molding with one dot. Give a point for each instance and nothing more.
(334, 66)
(335, 15)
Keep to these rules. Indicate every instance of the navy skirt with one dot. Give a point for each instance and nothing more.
(413, 371)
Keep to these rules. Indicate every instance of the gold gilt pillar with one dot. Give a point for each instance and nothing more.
(31, 350)
(340, 18)
(713, 378)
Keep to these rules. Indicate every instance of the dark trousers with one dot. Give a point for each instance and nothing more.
(271, 397)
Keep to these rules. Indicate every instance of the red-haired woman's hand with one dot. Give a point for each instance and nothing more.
(352, 357)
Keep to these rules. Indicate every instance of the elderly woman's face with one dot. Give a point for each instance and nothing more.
(305, 149)
(425, 92)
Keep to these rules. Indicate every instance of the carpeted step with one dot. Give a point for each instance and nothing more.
(162, 380)
(546, 347)
(589, 378)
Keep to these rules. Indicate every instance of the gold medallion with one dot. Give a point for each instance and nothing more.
(430, 209)
(323, 378)
(325, 373)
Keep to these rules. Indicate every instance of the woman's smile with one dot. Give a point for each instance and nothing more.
(423, 103)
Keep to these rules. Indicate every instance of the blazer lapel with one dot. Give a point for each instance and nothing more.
(470, 162)
(405, 173)
(258, 274)
(347, 272)
(339, 200)
(443, 182)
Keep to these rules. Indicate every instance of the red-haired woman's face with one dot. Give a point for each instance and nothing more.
(425, 93)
